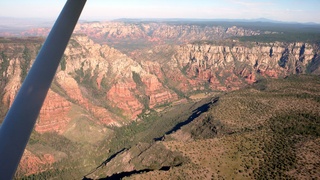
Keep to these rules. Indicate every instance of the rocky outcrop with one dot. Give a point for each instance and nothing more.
(156, 92)
(54, 114)
(122, 97)
(32, 164)
(72, 89)
(139, 158)
(226, 67)
(107, 69)
(13, 76)
(16, 55)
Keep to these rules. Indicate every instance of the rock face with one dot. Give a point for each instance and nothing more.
(15, 60)
(230, 67)
(121, 96)
(54, 114)
(32, 164)
(156, 92)
(73, 91)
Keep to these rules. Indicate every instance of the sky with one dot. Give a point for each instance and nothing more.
(281, 10)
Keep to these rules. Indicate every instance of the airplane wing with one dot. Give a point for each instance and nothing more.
(19, 122)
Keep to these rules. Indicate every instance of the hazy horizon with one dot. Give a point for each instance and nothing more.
(286, 10)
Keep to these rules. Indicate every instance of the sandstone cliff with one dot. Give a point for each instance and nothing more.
(230, 67)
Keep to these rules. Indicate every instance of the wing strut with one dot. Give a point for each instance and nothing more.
(21, 117)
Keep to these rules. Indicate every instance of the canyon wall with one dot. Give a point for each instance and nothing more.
(98, 78)
(230, 67)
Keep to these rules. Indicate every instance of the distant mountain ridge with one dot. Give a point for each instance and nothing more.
(209, 20)
(12, 23)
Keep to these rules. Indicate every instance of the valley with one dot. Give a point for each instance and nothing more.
(250, 133)
(153, 100)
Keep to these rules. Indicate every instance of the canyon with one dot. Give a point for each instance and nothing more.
(128, 85)
(109, 87)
